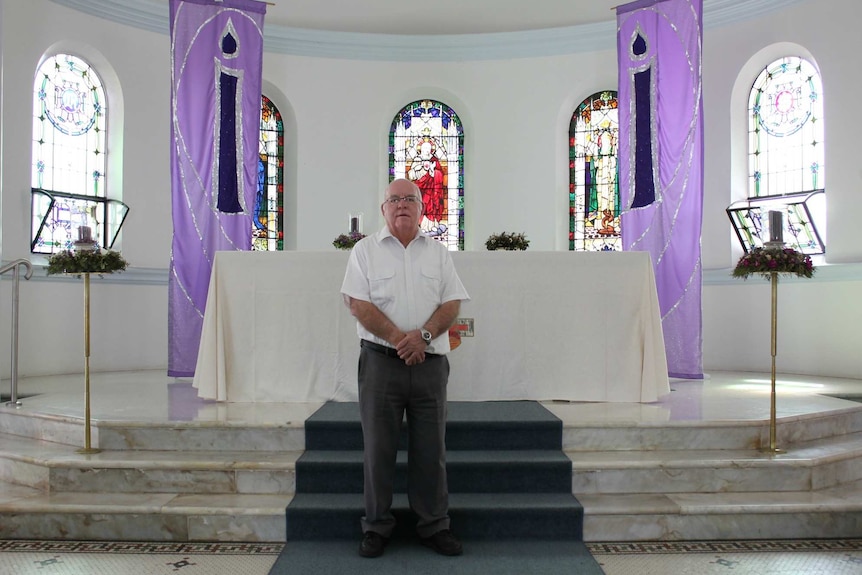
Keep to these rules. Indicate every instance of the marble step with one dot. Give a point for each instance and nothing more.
(237, 429)
(27, 513)
(58, 468)
(636, 481)
(808, 466)
(585, 429)
(826, 513)
(591, 430)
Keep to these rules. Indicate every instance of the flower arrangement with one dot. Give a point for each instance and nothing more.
(347, 241)
(507, 241)
(83, 261)
(769, 260)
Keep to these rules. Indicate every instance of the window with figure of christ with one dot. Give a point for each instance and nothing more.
(426, 145)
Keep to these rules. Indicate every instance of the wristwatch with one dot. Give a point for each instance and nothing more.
(426, 335)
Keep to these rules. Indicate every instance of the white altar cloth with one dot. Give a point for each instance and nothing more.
(547, 326)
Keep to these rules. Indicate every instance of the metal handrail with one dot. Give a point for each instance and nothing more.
(13, 267)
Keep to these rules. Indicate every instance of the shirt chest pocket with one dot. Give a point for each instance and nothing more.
(432, 283)
(382, 286)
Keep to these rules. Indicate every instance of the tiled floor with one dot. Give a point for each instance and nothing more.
(111, 558)
(817, 557)
(721, 396)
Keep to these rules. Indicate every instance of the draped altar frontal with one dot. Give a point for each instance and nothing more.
(569, 326)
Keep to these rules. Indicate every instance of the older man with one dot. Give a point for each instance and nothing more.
(405, 294)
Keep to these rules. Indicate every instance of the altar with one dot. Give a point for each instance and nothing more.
(572, 326)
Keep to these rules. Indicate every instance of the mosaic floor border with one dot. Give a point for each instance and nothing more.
(596, 548)
(749, 546)
(150, 548)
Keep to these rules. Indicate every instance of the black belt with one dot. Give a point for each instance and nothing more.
(386, 350)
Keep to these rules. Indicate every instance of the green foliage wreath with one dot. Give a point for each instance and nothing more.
(92, 261)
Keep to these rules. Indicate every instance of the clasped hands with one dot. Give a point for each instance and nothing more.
(411, 347)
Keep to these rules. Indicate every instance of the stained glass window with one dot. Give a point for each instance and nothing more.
(69, 161)
(785, 158)
(785, 127)
(268, 221)
(426, 145)
(594, 193)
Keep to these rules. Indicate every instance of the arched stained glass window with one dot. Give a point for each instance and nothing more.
(785, 159)
(426, 145)
(68, 175)
(594, 193)
(268, 221)
(785, 126)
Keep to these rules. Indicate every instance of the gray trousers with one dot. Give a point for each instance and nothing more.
(387, 389)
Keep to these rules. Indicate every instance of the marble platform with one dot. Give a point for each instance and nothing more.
(174, 467)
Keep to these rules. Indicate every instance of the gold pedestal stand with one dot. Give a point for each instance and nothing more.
(772, 448)
(86, 258)
(87, 447)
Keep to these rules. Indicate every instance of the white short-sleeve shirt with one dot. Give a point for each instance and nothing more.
(406, 284)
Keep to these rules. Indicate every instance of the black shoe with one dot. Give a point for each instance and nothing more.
(372, 544)
(444, 543)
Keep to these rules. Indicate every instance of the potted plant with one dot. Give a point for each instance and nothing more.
(507, 241)
(347, 241)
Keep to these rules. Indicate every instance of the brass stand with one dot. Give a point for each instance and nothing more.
(772, 432)
(87, 448)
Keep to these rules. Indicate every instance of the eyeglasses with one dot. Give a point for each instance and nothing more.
(392, 200)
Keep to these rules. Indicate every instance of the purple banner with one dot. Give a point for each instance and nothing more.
(216, 64)
(661, 162)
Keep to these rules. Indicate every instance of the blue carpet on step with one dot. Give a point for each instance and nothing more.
(403, 557)
(475, 516)
(470, 425)
(510, 497)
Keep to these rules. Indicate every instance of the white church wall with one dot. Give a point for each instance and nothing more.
(128, 327)
(818, 327)
(733, 56)
(818, 320)
(513, 180)
(135, 66)
(129, 320)
(515, 114)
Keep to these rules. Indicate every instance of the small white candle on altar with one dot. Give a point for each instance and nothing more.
(776, 226)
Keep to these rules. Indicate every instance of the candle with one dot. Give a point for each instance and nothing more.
(776, 226)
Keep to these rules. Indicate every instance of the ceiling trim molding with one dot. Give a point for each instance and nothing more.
(154, 16)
